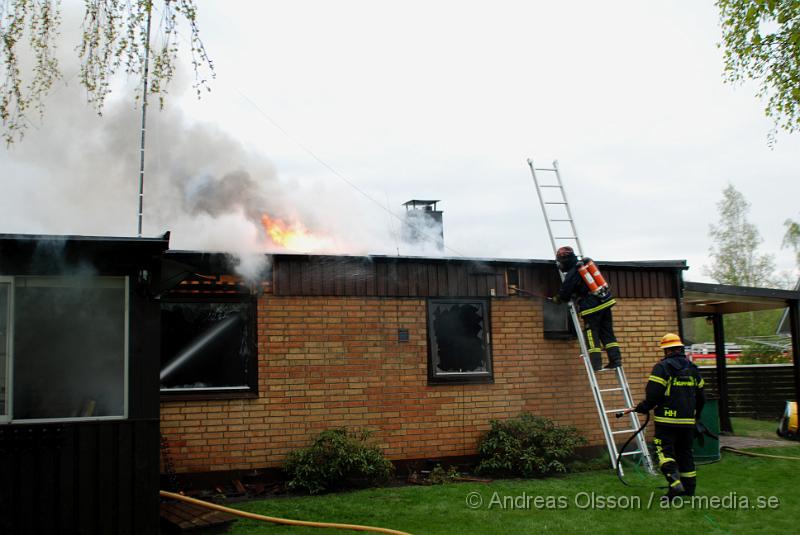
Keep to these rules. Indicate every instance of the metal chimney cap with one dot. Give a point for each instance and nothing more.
(414, 203)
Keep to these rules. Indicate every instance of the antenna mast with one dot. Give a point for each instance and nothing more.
(144, 116)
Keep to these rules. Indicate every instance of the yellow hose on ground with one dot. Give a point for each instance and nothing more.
(752, 454)
(276, 520)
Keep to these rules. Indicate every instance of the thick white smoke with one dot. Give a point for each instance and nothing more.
(77, 173)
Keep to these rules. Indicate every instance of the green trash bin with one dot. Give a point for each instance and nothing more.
(709, 450)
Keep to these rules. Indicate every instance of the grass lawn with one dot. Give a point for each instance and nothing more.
(443, 509)
(749, 427)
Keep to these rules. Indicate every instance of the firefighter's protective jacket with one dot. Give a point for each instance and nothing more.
(574, 288)
(676, 391)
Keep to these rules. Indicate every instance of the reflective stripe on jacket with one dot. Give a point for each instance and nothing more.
(675, 390)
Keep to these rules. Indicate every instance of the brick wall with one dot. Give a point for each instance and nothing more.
(335, 361)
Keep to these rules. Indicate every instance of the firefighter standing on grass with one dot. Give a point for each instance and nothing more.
(594, 305)
(675, 391)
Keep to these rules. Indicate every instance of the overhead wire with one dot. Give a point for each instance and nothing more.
(339, 175)
(335, 172)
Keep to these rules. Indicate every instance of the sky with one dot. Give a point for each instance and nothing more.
(332, 114)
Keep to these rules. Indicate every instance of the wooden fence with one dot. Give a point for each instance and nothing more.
(755, 391)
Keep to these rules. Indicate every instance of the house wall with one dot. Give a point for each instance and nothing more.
(87, 476)
(335, 361)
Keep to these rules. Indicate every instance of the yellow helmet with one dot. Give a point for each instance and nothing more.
(671, 340)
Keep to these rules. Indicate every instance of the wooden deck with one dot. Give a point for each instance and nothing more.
(180, 517)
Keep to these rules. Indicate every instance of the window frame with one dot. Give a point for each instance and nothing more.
(224, 392)
(451, 378)
(9, 417)
(9, 386)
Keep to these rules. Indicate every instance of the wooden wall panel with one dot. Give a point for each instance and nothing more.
(80, 477)
(401, 277)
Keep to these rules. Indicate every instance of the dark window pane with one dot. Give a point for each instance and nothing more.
(69, 347)
(557, 322)
(205, 345)
(458, 341)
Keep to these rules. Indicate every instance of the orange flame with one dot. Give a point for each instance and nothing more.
(293, 236)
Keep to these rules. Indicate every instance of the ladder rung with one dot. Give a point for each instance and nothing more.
(558, 215)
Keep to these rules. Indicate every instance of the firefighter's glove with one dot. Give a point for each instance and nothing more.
(641, 408)
(701, 431)
(556, 299)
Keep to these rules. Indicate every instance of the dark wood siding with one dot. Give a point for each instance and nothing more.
(368, 277)
(92, 478)
(640, 282)
(410, 277)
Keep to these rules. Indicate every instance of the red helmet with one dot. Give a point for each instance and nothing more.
(565, 252)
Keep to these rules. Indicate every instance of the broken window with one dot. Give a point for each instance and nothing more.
(69, 352)
(208, 346)
(459, 341)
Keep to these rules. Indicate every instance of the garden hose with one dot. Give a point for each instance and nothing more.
(622, 450)
(276, 520)
(753, 454)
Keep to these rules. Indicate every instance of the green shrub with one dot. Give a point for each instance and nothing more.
(337, 459)
(762, 354)
(527, 446)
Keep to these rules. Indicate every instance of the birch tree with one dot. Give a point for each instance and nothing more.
(115, 39)
(761, 42)
(734, 251)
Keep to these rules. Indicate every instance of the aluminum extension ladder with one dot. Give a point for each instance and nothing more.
(561, 228)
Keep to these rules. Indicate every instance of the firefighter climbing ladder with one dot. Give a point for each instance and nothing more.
(561, 228)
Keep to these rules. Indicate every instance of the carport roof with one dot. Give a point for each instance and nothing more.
(702, 299)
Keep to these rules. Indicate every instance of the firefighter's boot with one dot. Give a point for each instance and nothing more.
(614, 356)
(596, 359)
(689, 484)
(675, 485)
